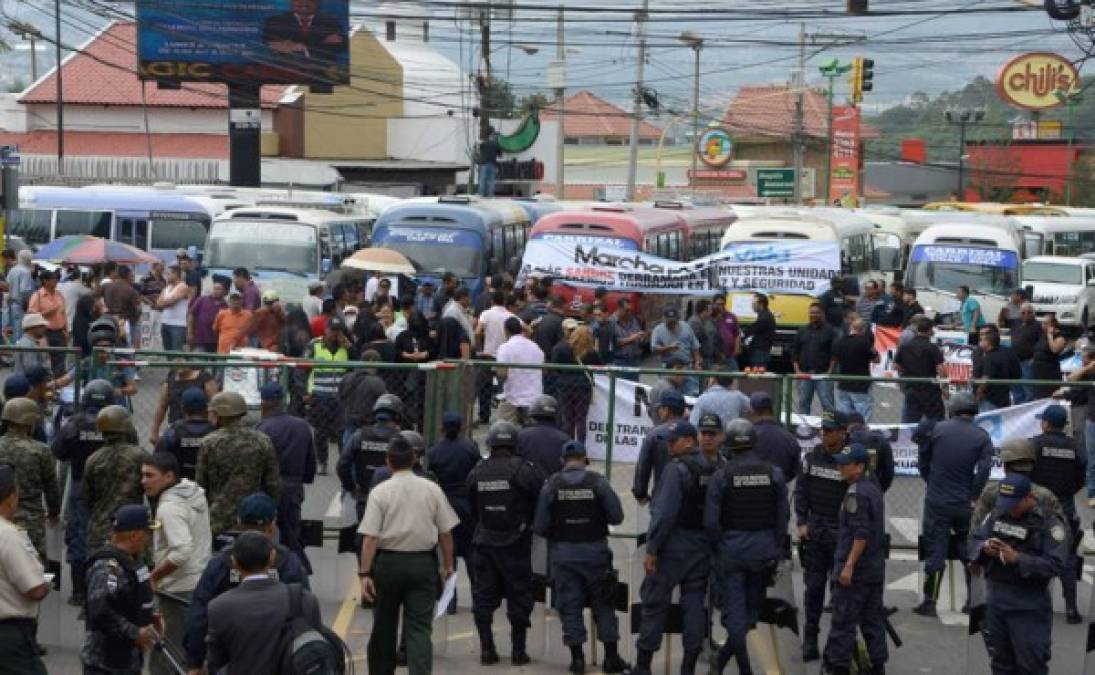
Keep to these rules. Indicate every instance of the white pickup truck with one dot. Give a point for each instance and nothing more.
(1062, 286)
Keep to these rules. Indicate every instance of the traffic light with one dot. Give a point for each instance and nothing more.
(862, 78)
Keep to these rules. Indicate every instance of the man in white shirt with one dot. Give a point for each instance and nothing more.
(313, 302)
(490, 333)
(520, 386)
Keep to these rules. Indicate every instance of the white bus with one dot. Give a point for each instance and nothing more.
(1062, 235)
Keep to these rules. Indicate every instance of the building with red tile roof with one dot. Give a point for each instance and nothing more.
(590, 120)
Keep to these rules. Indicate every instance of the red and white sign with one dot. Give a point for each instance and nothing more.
(717, 174)
(844, 160)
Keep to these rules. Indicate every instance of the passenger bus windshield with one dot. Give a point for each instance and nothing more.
(433, 251)
(574, 238)
(170, 233)
(1054, 273)
(269, 245)
(945, 268)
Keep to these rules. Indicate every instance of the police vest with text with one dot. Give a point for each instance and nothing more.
(136, 606)
(749, 499)
(695, 493)
(499, 506)
(188, 439)
(81, 439)
(1055, 465)
(372, 452)
(577, 514)
(324, 381)
(1025, 536)
(824, 486)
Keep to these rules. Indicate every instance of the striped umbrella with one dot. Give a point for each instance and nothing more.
(57, 249)
(96, 251)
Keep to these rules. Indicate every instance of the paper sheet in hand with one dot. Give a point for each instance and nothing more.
(446, 597)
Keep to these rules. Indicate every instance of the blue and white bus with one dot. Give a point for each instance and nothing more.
(150, 220)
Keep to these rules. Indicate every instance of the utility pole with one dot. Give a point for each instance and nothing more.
(963, 117)
(695, 42)
(560, 98)
(484, 73)
(60, 90)
(637, 114)
(797, 135)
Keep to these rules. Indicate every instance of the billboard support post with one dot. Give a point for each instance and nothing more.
(244, 135)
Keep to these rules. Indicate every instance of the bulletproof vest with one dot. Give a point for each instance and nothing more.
(749, 498)
(81, 439)
(372, 452)
(188, 438)
(135, 605)
(695, 493)
(824, 487)
(577, 514)
(1055, 464)
(1025, 536)
(499, 508)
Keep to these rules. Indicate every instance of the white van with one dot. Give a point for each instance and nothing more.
(1062, 286)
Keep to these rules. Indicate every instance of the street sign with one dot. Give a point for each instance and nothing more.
(776, 183)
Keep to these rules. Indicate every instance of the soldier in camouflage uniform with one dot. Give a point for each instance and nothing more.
(34, 471)
(112, 475)
(234, 461)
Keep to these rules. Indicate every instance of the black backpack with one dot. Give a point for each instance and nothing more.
(306, 649)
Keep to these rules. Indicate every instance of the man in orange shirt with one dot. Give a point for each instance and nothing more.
(51, 305)
(232, 325)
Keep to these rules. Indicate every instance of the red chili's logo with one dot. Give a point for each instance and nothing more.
(1031, 80)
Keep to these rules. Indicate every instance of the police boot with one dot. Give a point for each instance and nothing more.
(519, 656)
(809, 644)
(880, 669)
(969, 586)
(612, 662)
(577, 660)
(926, 608)
(79, 585)
(1072, 616)
(688, 663)
(830, 669)
(642, 662)
(401, 653)
(488, 655)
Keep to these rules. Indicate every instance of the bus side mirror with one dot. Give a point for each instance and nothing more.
(325, 266)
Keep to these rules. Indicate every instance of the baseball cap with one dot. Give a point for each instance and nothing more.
(760, 400)
(181, 253)
(33, 320)
(834, 420)
(853, 454)
(271, 391)
(133, 517)
(269, 295)
(37, 375)
(257, 509)
(1055, 414)
(1013, 489)
(672, 399)
(194, 399)
(671, 313)
(16, 385)
(451, 419)
(681, 430)
(570, 324)
(710, 421)
(574, 449)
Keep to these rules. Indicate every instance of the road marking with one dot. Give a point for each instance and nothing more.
(954, 618)
(908, 528)
(909, 582)
(341, 624)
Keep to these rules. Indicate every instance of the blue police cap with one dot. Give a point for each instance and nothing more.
(194, 400)
(853, 454)
(271, 391)
(133, 517)
(1013, 489)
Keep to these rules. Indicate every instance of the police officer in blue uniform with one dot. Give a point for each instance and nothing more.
(881, 466)
(503, 490)
(746, 513)
(954, 460)
(678, 551)
(541, 442)
(654, 453)
(1061, 467)
(184, 437)
(819, 493)
(575, 509)
(1021, 548)
(367, 448)
(859, 572)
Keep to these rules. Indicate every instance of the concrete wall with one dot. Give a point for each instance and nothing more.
(130, 119)
(13, 116)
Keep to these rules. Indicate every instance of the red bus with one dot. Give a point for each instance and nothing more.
(706, 225)
(660, 232)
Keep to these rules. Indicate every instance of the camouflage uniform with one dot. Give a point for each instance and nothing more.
(119, 604)
(36, 478)
(112, 479)
(987, 500)
(233, 462)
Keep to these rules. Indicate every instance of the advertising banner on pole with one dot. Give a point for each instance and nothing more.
(844, 160)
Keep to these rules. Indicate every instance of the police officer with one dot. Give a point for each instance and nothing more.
(859, 572)
(103, 336)
(256, 512)
(678, 551)
(654, 454)
(418, 445)
(22, 587)
(1062, 468)
(1021, 548)
(295, 446)
(955, 461)
(881, 466)
(77, 440)
(502, 491)
(112, 475)
(367, 449)
(184, 437)
(819, 493)
(575, 509)
(451, 459)
(541, 442)
(1017, 456)
(747, 513)
(121, 625)
(712, 436)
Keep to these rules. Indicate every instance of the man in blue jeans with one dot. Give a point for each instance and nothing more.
(812, 354)
(488, 163)
(1086, 373)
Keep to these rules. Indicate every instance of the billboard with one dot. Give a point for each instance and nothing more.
(844, 160)
(253, 41)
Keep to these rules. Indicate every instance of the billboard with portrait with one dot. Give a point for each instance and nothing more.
(256, 41)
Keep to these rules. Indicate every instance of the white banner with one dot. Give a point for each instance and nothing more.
(798, 267)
